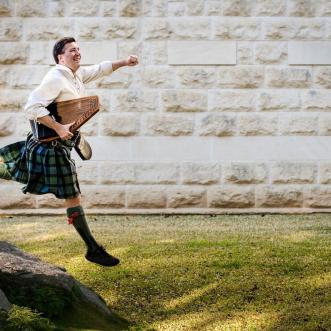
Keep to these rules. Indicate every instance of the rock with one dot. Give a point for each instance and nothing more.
(23, 274)
(4, 303)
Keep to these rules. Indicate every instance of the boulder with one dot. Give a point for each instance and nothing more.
(23, 276)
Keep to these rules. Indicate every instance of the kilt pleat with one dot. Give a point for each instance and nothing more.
(42, 167)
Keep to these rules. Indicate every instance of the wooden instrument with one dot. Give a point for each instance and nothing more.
(76, 110)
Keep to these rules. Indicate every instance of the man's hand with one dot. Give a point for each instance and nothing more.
(132, 60)
(64, 131)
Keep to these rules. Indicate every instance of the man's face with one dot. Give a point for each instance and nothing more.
(71, 56)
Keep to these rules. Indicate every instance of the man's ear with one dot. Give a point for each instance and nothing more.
(59, 57)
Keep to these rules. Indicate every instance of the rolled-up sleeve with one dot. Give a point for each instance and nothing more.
(96, 71)
(41, 97)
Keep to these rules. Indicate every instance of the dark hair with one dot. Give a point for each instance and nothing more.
(59, 45)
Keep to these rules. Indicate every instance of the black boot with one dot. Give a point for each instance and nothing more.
(95, 252)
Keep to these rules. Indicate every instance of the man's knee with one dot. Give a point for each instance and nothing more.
(73, 202)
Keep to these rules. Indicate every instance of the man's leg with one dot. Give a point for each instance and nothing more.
(95, 252)
(4, 173)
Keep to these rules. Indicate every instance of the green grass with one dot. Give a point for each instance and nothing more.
(196, 272)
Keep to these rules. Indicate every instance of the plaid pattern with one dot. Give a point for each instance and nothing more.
(42, 167)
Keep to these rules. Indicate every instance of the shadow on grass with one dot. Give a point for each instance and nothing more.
(87, 318)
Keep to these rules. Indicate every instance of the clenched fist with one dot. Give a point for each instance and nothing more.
(132, 60)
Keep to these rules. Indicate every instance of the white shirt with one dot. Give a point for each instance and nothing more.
(61, 84)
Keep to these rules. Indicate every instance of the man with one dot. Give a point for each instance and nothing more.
(48, 167)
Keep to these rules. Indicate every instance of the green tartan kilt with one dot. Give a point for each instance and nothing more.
(42, 167)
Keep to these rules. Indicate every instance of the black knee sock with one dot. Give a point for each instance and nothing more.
(77, 218)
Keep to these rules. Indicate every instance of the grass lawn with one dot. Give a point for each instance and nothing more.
(247, 272)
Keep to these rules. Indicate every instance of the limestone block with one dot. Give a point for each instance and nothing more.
(257, 124)
(322, 76)
(279, 196)
(13, 53)
(10, 29)
(293, 172)
(310, 29)
(165, 149)
(22, 125)
(298, 124)
(159, 77)
(119, 79)
(234, 8)
(325, 124)
(316, 100)
(40, 52)
(131, 47)
(231, 197)
(106, 28)
(189, 28)
(322, 7)
(244, 173)
(275, 100)
(7, 124)
(109, 8)
(201, 52)
(119, 124)
(156, 173)
(167, 124)
(245, 52)
(196, 77)
(4, 302)
(155, 28)
(184, 101)
(186, 197)
(26, 76)
(124, 28)
(195, 7)
(56, 9)
(129, 7)
(155, 8)
(4, 76)
(216, 125)
(241, 77)
(91, 127)
(304, 52)
(267, 7)
(271, 52)
(47, 29)
(200, 173)
(156, 51)
(146, 197)
(13, 198)
(280, 28)
(27, 8)
(317, 197)
(213, 8)
(88, 172)
(103, 197)
(82, 8)
(177, 9)
(6, 8)
(237, 28)
(232, 100)
(134, 101)
(299, 8)
(116, 173)
(288, 77)
(325, 173)
(13, 100)
(95, 52)
(49, 201)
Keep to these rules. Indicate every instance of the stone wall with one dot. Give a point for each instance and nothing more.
(228, 111)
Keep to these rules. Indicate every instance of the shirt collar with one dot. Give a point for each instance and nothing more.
(64, 68)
